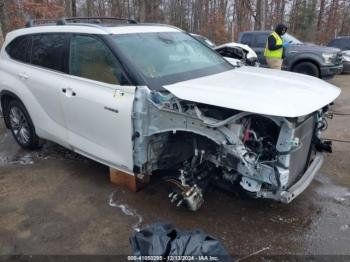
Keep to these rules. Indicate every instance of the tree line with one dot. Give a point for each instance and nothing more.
(220, 20)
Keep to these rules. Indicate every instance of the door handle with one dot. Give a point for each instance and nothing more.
(118, 92)
(23, 76)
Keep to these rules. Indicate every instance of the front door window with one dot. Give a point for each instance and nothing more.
(90, 58)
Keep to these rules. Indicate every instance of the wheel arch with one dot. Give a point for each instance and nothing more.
(141, 152)
(303, 60)
(5, 98)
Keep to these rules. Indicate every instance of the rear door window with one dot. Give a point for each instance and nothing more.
(260, 40)
(90, 58)
(247, 39)
(50, 51)
(20, 48)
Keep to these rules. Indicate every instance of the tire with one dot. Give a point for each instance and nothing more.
(21, 125)
(307, 68)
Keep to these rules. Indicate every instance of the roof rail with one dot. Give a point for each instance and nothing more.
(83, 20)
(40, 22)
(95, 20)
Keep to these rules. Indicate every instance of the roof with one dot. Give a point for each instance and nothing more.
(92, 29)
(342, 37)
(260, 32)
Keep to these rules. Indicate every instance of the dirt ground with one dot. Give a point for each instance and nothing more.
(53, 201)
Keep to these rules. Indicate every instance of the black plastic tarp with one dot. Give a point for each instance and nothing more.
(165, 240)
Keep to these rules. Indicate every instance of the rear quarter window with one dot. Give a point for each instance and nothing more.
(19, 49)
(50, 51)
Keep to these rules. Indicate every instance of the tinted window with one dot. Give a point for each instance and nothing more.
(91, 58)
(342, 43)
(19, 49)
(247, 39)
(260, 40)
(49, 51)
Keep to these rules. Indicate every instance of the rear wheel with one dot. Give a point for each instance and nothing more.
(307, 68)
(21, 125)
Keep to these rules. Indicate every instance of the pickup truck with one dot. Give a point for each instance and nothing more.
(319, 61)
(235, 53)
(343, 43)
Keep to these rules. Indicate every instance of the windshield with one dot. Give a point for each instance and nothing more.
(169, 57)
(289, 38)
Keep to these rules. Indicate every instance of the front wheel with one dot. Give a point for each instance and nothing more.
(21, 125)
(307, 68)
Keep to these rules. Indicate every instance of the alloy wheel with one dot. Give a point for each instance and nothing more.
(19, 125)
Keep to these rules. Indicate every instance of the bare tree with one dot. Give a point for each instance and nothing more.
(3, 21)
(142, 11)
(259, 15)
(89, 8)
(74, 7)
(220, 20)
(282, 10)
(243, 14)
(345, 26)
(67, 7)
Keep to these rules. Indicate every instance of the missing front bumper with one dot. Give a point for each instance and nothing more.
(287, 196)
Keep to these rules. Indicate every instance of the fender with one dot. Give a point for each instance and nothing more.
(294, 58)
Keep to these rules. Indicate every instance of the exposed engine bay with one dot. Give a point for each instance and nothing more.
(258, 154)
(239, 53)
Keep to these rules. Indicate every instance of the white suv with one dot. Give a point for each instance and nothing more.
(145, 97)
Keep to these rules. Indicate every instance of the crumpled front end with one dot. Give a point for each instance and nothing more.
(199, 145)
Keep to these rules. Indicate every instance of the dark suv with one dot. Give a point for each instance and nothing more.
(343, 43)
(305, 58)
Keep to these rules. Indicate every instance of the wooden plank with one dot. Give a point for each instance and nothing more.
(132, 182)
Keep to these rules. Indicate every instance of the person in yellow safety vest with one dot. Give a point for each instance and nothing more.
(275, 47)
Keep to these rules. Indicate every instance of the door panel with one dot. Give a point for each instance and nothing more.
(98, 118)
(44, 78)
(97, 107)
(45, 86)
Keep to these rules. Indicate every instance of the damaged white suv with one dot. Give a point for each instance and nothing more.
(145, 97)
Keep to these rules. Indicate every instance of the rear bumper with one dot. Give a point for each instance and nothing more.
(330, 71)
(287, 196)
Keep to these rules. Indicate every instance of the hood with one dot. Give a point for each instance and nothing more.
(309, 47)
(259, 90)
